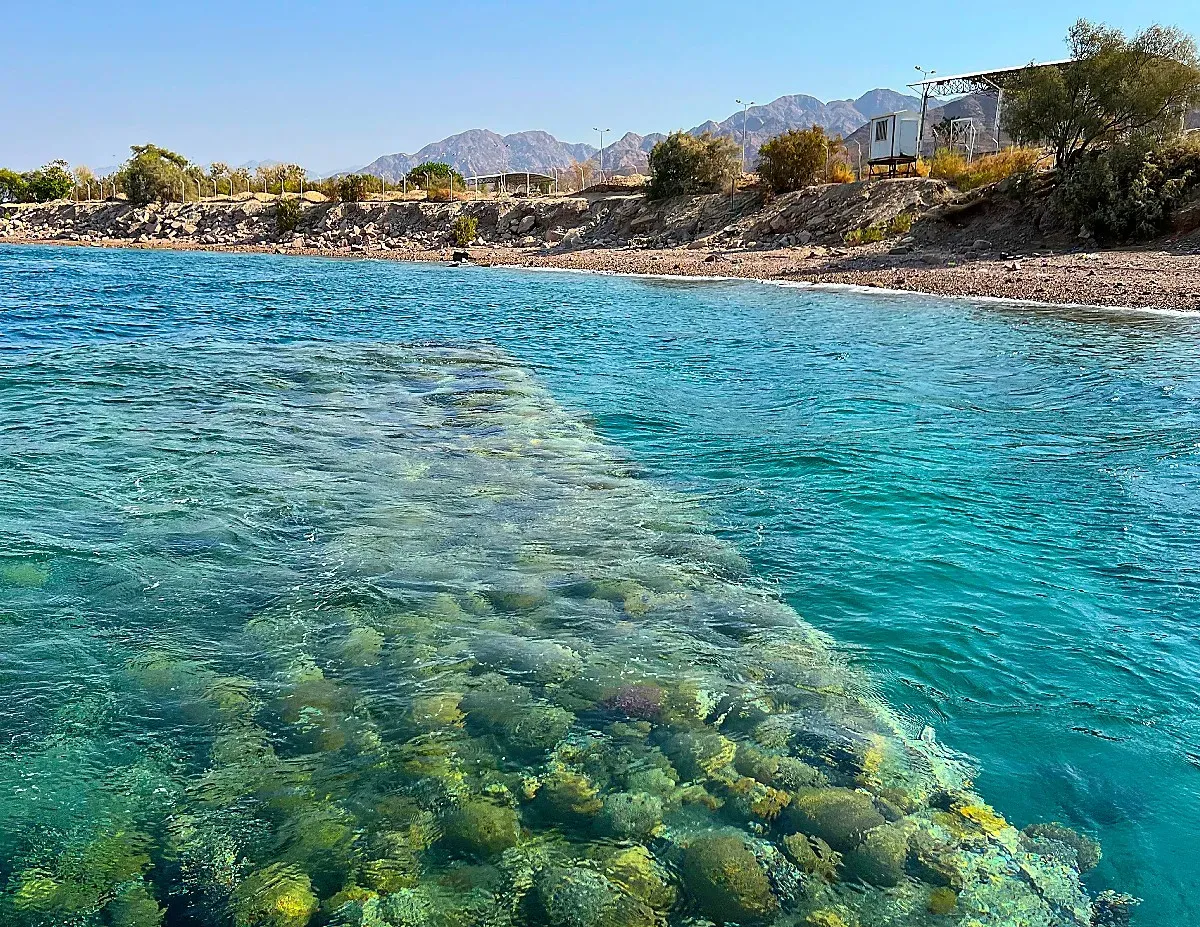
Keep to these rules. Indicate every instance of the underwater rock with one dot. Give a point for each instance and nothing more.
(320, 837)
(524, 598)
(533, 660)
(363, 647)
(437, 711)
(632, 815)
(700, 754)
(840, 817)
(879, 858)
(653, 780)
(480, 829)
(1086, 850)
(39, 892)
(277, 896)
(1113, 909)
(795, 774)
(935, 860)
(756, 763)
(162, 672)
(25, 575)
(134, 907)
(510, 713)
(572, 896)
(726, 882)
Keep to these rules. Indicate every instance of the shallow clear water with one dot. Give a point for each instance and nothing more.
(216, 471)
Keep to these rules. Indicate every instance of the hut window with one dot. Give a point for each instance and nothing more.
(881, 128)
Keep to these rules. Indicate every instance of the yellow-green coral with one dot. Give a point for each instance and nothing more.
(567, 795)
(942, 900)
(437, 711)
(134, 907)
(25, 574)
(635, 871)
(872, 762)
(480, 828)
(826, 917)
(363, 647)
(39, 892)
(984, 817)
(813, 855)
(277, 896)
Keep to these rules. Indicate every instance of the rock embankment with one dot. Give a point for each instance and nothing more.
(817, 215)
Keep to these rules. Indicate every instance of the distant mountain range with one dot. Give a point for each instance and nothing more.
(480, 151)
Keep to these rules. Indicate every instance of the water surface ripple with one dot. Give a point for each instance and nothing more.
(990, 508)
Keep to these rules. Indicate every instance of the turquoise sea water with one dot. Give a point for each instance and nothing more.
(216, 471)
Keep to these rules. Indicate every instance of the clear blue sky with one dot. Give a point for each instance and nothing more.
(335, 85)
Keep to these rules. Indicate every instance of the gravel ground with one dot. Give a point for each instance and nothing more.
(1141, 278)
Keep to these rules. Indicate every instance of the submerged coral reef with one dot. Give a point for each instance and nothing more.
(531, 690)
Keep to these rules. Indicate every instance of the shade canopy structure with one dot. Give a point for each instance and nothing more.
(991, 81)
(957, 85)
(514, 179)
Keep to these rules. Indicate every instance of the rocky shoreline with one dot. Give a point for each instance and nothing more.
(792, 238)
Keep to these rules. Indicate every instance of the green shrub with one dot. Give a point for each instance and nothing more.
(796, 159)
(841, 172)
(287, 215)
(967, 175)
(465, 229)
(901, 224)
(153, 173)
(683, 163)
(1128, 192)
(865, 236)
(352, 188)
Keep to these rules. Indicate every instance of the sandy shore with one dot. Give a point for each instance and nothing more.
(1153, 279)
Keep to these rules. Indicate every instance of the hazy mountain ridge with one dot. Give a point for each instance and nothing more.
(481, 151)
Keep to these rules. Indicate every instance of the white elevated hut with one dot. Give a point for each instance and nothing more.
(894, 140)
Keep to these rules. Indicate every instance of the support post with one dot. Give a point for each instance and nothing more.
(999, 108)
(921, 125)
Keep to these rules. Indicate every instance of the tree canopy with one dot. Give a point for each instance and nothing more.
(153, 173)
(52, 182)
(435, 174)
(12, 186)
(1113, 88)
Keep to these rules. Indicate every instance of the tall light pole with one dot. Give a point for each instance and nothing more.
(745, 115)
(926, 75)
(601, 131)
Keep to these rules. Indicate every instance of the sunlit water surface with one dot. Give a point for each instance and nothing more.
(991, 509)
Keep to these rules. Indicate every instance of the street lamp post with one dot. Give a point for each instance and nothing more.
(745, 115)
(601, 131)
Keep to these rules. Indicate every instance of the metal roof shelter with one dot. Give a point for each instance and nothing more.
(526, 179)
(958, 85)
